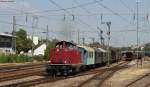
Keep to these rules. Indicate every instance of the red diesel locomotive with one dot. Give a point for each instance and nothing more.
(64, 59)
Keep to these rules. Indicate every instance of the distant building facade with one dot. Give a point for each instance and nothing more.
(6, 44)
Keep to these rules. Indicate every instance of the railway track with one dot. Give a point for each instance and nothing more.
(31, 82)
(47, 79)
(101, 76)
(147, 85)
(137, 82)
(21, 72)
(9, 68)
(106, 72)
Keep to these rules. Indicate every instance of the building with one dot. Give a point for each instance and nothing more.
(35, 39)
(6, 43)
(40, 50)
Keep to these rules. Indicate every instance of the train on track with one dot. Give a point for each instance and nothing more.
(128, 55)
(132, 55)
(68, 58)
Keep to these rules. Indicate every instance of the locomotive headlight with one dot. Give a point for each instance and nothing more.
(57, 50)
(49, 61)
(65, 61)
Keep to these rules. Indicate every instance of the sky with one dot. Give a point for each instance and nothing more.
(68, 19)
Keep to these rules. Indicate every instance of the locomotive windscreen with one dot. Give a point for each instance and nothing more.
(64, 44)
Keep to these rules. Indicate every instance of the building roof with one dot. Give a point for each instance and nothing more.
(6, 35)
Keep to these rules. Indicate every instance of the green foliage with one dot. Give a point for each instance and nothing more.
(147, 47)
(38, 58)
(15, 59)
(51, 44)
(22, 42)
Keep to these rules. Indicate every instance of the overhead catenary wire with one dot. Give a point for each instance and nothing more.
(125, 5)
(62, 9)
(86, 10)
(115, 13)
(92, 14)
(53, 2)
(82, 7)
(5, 22)
(25, 13)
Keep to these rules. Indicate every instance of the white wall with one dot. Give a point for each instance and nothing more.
(40, 50)
(7, 51)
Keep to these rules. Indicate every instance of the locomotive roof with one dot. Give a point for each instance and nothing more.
(86, 48)
(102, 50)
(127, 51)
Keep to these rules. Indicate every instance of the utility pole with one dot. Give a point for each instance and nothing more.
(47, 34)
(14, 34)
(93, 39)
(103, 39)
(137, 3)
(137, 37)
(137, 27)
(100, 35)
(83, 40)
(78, 38)
(34, 24)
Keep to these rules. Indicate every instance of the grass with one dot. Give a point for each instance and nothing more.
(15, 59)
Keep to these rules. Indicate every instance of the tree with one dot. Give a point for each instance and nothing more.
(22, 42)
(147, 47)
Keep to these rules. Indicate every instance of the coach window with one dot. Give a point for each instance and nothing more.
(90, 54)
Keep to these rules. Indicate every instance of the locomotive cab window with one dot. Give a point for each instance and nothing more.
(70, 46)
(64, 44)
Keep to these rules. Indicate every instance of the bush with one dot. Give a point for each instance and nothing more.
(38, 58)
(15, 59)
